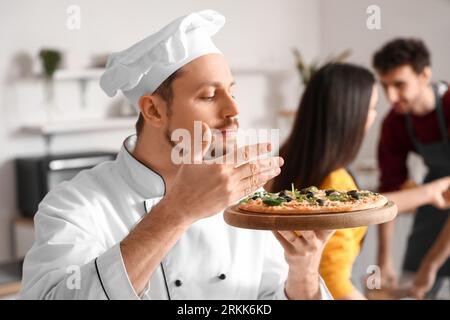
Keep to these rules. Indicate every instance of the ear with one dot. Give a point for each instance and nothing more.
(426, 75)
(152, 109)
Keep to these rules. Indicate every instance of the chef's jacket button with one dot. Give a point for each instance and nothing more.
(222, 276)
(178, 283)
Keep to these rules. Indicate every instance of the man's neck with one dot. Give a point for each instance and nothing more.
(155, 154)
(427, 103)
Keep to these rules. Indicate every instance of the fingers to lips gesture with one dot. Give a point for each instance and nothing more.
(209, 186)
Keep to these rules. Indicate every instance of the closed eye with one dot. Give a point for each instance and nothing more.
(208, 98)
(399, 84)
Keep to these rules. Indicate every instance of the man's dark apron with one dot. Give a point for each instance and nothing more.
(429, 221)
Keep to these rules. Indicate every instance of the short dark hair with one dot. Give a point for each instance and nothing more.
(166, 93)
(401, 52)
(329, 127)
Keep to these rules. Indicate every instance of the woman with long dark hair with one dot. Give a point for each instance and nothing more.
(336, 110)
(330, 125)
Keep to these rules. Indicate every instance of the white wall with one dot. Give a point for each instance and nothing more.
(343, 25)
(257, 39)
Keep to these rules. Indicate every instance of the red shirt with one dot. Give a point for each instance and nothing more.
(395, 143)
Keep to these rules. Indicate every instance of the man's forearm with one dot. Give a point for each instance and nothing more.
(145, 247)
(303, 286)
(440, 251)
(406, 200)
(410, 199)
(385, 239)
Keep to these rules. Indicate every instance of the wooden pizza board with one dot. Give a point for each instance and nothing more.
(317, 221)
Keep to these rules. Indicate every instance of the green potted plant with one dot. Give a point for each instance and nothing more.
(307, 71)
(50, 61)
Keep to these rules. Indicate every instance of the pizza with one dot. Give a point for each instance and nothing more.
(312, 200)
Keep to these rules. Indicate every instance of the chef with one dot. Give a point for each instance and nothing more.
(147, 227)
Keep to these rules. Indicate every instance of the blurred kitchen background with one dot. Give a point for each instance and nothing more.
(51, 127)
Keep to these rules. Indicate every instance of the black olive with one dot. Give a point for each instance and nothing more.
(354, 194)
(255, 197)
(320, 202)
(304, 191)
(283, 194)
(330, 191)
(309, 194)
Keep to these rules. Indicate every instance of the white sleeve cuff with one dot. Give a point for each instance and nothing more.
(324, 293)
(113, 276)
(280, 294)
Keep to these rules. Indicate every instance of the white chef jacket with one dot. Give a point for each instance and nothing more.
(80, 223)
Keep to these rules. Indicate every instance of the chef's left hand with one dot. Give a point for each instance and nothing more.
(423, 281)
(303, 251)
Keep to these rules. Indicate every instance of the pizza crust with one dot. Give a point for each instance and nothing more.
(370, 202)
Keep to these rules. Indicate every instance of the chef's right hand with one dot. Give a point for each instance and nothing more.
(204, 188)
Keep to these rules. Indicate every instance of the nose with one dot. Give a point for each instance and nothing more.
(229, 107)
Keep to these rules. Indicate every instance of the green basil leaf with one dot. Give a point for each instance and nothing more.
(272, 202)
(244, 201)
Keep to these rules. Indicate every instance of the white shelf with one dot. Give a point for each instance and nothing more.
(82, 125)
(266, 71)
(78, 74)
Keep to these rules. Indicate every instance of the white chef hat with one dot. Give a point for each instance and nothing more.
(141, 68)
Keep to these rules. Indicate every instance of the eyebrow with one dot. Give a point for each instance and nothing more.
(214, 84)
(394, 83)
